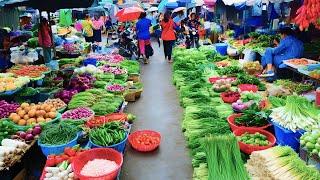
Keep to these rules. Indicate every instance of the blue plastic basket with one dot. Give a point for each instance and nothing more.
(222, 48)
(120, 147)
(287, 137)
(91, 61)
(47, 150)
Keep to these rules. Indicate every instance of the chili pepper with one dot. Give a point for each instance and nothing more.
(70, 152)
(51, 161)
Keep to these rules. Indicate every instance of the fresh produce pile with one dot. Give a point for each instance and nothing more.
(82, 82)
(62, 171)
(252, 117)
(80, 113)
(222, 85)
(224, 158)
(298, 62)
(117, 88)
(108, 134)
(6, 129)
(111, 58)
(32, 71)
(252, 67)
(91, 69)
(9, 150)
(256, 139)
(28, 135)
(12, 83)
(311, 142)
(7, 108)
(240, 105)
(56, 103)
(98, 167)
(58, 134)
(66, 95)
(132, 67)
(315, 74)
(279, 162)
(260, 42)
(308, 14)
(230, 96)
(113, 70)
(297, 114)
(248, 79)
(294, 87)
(100, 101)
(31, 114)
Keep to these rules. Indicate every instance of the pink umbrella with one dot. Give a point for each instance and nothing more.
(129, 14)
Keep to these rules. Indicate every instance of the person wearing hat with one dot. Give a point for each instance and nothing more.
(289, 47)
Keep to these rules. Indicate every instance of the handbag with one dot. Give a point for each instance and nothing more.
(149, 50)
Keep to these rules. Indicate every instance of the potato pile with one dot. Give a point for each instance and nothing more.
(30, 114)
(56, 103)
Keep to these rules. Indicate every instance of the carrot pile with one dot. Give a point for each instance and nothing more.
(307, 14)
(32, 71)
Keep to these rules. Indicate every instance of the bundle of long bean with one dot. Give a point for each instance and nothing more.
(280, 163)
(224, 158)
(57, 134)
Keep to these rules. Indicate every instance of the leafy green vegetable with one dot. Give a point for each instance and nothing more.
(253, 116)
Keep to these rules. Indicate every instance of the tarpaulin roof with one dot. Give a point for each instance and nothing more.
(48, 5)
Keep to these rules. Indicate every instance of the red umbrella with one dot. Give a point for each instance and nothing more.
(129, 14)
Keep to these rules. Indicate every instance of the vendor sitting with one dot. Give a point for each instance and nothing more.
(288, 48)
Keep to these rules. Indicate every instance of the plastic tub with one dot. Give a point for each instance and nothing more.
(222, 48)
(247, 148)
(91, 61)
(287, 137)
(144, 148)
(233, 126)
(47, 150)
(119, 147)
(98, 153)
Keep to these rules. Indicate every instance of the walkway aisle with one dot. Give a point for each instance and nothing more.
(158, 109)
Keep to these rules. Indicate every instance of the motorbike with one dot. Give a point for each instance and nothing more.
(192, 40)
(128, 45)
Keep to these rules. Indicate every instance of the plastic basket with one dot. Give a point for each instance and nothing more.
(222, 48)
(83, 119)
(247, 148)
(228, 99)
(233, 126)
(58, 149)
(120, 147)
(287, 137)
(98, 153)
(141, 147)
(117, 117)
(91, 61)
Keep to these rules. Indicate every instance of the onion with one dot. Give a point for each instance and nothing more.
(29, 137)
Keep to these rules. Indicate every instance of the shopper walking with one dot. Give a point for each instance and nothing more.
(45, 39)
(168, 35)
(143, 34)
(87, 31)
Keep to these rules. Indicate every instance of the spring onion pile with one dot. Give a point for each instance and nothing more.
(224, 158)
(280, 163)
(298, 113)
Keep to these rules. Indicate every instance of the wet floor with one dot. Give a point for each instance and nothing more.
(158, 109)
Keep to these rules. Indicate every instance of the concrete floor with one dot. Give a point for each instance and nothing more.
(158, 109)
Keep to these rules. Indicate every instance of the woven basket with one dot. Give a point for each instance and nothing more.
(130, 96)
(134, 77)
(138, 93)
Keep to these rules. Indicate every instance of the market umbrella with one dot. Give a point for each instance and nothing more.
(129, 14)
(171, 4)
(178, 9)
(162, 5)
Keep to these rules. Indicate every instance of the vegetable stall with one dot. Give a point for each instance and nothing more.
(227, 110)
(64, 113)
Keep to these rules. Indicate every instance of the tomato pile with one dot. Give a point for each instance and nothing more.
(230, 97)
(147, 140)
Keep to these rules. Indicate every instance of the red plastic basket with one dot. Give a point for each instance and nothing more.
(248, 87)
(229, 99)
(90, 124)
(97, 153)
(233, 126)
(214, 79)
(140, 147)
(248, 149)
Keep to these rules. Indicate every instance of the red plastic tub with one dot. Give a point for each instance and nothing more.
(142, 147)
(233, 126)
(97, 153)
(248, 87)
(230, 99)
(247, 148)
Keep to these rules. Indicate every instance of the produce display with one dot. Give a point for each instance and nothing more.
(240, 105)
(108, 134)
(294, 87)
(111, 58)
(66, 95)
(80, 113)
(297, 114)
(62, 171)
(256, 139)
(32, 71)
(29, 135)
(6, 129)
(58, 134)
(311, 142)
(113, 70)
(117, 88)
(222, 85)
(315, 74)
(91, 69)
(132, 67)
(279, 162)
(248, 79)
(12, 83)
(7, 108)
(230, 96)
(9, 150)
(31, 114)
(298, 62)
(56, 103)
(252, 67)
(82, 82)
(252, 117)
